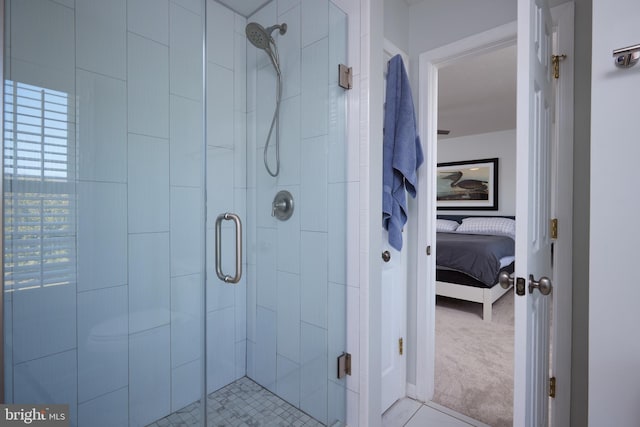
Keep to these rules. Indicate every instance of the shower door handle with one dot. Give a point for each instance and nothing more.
(236, 219)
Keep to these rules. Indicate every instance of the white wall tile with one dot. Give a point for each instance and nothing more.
(220, 294)
(103, 342)
(194, 6)
(313, 200)
(285, 5)
(266, 90)
(337, 219)
(221, 357)
(220, 195)
(240, 70)
(45, 77)
(315, 89)
(44, 321)
(102, 235)
(108, 410)
(149, 282)
(337, 402)
(314, 289)
(148, 87)
(49, 380)
(353, 334)
(186, 319)
(240, 150)
(186, 231)
(251, 353)
(313, 353)
(149, 376)
(186, 385)
(288, 319)
(240, 23)
(289, 47)
(251, 302)
(266, 278)
(241, 308)
(337, 325)
(186, 142)
(101, 127)
(266, 190)
(353, 408)
(185, 52)
(288, 380)
(338, 33)
(288, 239)
(148, 195)
(241, 358)
(315, 21)
(101, 30)
(338, 145)
(264, 352)
(220, 28)
(149, 18)
(313, 372)
(42, 35)
(290, 142)
(219, 106)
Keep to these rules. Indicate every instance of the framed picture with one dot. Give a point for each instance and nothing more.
(468, 185)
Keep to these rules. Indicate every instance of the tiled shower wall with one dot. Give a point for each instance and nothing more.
(120, 340)
(296, 301)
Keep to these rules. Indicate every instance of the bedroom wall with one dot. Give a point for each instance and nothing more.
(483, 146)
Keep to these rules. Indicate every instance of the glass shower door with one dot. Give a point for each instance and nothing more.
(104, 208)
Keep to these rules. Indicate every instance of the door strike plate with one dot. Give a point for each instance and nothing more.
(345, 77)
(520, 286)
(344, 365)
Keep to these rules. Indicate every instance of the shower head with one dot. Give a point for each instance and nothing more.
(261, 37)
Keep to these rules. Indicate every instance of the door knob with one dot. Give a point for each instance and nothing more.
(543, 285)
(505, 280)
(386, 256)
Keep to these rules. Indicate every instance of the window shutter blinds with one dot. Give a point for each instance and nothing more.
(39, 196)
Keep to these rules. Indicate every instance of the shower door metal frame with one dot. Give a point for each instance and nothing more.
(2, 376)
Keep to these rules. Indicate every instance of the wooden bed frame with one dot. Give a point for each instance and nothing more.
(485, 296)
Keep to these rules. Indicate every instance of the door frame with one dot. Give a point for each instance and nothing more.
(429, 64)
(562, 208)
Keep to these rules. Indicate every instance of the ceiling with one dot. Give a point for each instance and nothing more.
(478, 95)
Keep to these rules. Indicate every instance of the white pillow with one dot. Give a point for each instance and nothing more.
(493, 226)
(445, 225)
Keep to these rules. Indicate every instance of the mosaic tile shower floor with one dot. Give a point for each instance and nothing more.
(242, 403)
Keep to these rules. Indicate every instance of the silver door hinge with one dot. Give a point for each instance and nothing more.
(552, 387)
(345, 76)
(344, 365)
(401, 346)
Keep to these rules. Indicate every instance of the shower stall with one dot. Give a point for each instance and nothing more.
(174, 204)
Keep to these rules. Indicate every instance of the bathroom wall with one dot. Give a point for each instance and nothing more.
(297, 268)
(117, 332)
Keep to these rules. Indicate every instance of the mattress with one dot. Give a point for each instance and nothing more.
(478, 257)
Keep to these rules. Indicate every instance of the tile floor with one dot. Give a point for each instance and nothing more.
(410, 413)
(242, 403)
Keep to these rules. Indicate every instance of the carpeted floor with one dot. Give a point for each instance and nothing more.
(474, 360)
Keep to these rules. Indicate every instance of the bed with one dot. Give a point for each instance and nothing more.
(471, 252)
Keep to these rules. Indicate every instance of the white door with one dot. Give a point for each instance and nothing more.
(533, 241)
(394, 299)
